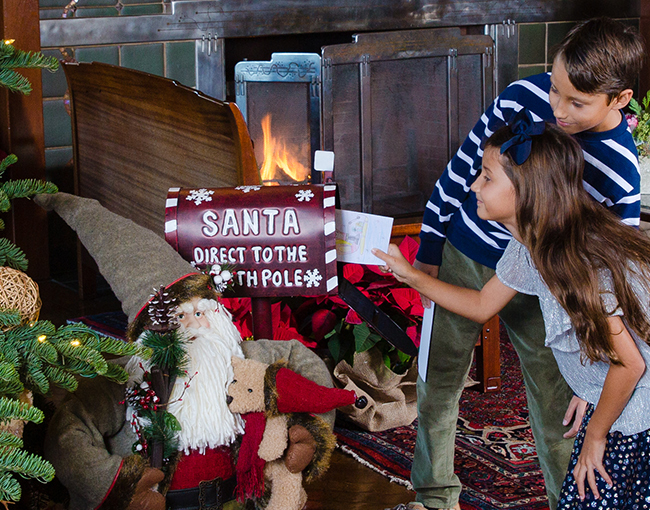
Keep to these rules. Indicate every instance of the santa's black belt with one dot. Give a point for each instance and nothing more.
(210, 495)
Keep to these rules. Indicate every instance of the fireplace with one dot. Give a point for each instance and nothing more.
(395, 106)
(280, 101)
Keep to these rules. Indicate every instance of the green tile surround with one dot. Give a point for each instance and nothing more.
(105, 54)
(56, 124)
(143, 57)
(537, 41)
(180, 62)
(532, 43)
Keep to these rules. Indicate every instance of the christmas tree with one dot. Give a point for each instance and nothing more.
(35, 354)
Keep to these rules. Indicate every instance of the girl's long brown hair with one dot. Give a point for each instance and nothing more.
(572, 239)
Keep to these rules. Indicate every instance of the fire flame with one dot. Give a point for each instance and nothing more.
(276, 156)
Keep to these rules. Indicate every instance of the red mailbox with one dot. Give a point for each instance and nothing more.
(280, 239)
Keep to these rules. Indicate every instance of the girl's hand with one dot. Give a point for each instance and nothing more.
(576, 410)
(395, 263)
(590, 460)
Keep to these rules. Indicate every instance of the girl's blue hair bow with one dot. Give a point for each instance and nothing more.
(523, 128)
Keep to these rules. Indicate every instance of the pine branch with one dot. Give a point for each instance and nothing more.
(61, 378)
(34, 330)
(11, 409)
(27, 188)
(14, 58)
(9, 439)
(12, 256)
(7, 162)
(116, 374)
(9, 318)
(81, 360)
(10, 383)
(117, 347)
(39, 347)
(5, 204)
(35, 379)
(26, 465)
(168, 351)
(14, 81)
(9, 488)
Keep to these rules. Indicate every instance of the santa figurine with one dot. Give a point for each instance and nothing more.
(93, 440)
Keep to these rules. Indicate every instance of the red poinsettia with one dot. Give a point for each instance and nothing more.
(328, 320)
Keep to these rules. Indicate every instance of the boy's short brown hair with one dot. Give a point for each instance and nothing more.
(602, 56)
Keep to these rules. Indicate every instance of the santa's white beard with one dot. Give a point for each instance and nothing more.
(201, 408)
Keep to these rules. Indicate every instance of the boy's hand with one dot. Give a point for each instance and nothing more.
(576, 410)
(395, 263)
(590, 460)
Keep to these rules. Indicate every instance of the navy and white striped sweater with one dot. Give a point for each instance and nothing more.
(611, 177)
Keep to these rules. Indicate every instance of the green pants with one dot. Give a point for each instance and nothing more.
(452, 347)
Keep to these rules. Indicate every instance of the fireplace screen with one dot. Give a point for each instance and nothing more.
(396, 105)
(280, 101)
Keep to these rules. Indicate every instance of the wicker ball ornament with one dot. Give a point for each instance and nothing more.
(19, 292)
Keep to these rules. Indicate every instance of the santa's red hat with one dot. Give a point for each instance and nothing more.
(297, 394)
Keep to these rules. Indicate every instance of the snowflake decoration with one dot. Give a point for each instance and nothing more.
(246, 189)
(200, 195)
(312, 278)
(304, 195)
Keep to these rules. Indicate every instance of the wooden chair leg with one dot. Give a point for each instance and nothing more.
(488, 362)
(86, 273)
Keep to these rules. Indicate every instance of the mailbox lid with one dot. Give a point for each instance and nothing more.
(281, 240)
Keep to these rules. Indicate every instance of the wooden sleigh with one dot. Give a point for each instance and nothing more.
(135, 135)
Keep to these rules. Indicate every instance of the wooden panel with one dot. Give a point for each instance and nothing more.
(135, 135)
(21, 133)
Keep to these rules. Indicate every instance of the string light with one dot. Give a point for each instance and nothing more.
(42, 338)
(9, 41)
(75, 343)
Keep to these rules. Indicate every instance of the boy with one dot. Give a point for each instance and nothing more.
(593, 73)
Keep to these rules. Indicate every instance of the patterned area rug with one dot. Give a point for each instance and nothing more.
(495, 454)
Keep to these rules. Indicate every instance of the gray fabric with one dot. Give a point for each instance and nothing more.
(516, 270)
(87, 439)
(133, 260)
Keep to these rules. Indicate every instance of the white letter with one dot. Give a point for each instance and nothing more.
(240, 276)
(290, 221)
(256, 252)
(198, 255)
(266, 276)
(270, 221)
(280, 251)
(230, 223)
(210, 229)
(267, 254)
(292, 253)
(277, 278)
(251, 222)
(302, 253)
(251, 279)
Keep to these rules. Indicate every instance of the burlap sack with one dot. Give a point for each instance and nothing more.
(391, 397)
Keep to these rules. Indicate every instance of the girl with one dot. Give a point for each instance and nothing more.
(592, 276)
